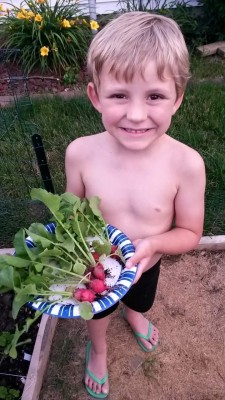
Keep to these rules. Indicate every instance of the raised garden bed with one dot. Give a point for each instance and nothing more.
(39, 358)
(25, 373)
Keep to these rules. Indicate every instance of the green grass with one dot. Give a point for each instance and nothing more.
(209, 68)
(200, 123)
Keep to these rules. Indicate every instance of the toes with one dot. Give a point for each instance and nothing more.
(89, 382)
(154, 336)
(95, 387)
(104, 388)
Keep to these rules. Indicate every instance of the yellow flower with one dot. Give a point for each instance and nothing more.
(38, 18)
(30, 14)
(72, 22)
(44, 51)
(20, 15)
(94, 25)
(1, 7)
(84, 21)
(66, 24)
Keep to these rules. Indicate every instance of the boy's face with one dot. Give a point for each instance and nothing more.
(139, 112)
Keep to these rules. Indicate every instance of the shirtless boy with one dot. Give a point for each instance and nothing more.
(151, 186)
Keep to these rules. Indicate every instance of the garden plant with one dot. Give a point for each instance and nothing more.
(50, 37)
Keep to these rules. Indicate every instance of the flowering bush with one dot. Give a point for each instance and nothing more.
(52, 37)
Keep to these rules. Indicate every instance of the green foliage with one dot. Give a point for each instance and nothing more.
(71, 75)
(213, 19)
(52, 38)
(5, 338)
(9, 394)
(141, 5)
(188, 20)
(60, 258)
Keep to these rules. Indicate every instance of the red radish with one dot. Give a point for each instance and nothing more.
(114, 248)
(84, 295)
(95, 255)
(98, 272)
(98, 286)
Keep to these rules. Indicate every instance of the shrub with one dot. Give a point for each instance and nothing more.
(53, 38)
(213, 19)
(188, 19)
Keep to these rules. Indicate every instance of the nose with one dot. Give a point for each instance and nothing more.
(136, 111)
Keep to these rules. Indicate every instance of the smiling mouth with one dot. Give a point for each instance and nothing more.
(135, 131)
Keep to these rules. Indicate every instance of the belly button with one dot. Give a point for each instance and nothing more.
(158, 209)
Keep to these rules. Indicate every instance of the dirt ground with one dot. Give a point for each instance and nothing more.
(189, 363)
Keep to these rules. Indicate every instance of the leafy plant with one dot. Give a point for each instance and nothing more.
(71, 75)
(187, 18)
(64, 257)
(8, 394)
(5, 338)
(141, 5)
(13, 340)
(52, 38)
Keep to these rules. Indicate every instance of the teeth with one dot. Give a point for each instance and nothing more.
(136, 130)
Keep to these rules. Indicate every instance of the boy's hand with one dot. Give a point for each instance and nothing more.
(142, 256)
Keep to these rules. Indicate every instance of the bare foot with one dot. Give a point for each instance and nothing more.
(140, 324)
(98, 367)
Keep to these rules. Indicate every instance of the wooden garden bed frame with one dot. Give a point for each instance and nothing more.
(39, 358)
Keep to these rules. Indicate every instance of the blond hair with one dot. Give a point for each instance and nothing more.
(129, 42)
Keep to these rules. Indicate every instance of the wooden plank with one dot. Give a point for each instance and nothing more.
(221, 51)
(206, 243)
(212, 243)
(7, 251)
(210, 49)
(39, 358)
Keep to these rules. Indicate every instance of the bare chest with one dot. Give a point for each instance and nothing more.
(135, 193)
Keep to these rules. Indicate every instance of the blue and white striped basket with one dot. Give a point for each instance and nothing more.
(122, 286)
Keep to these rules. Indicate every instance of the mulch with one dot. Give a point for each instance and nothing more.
(14, 81)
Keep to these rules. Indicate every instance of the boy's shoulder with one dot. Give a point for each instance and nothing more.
(87, 139)
(184, 155)
(84, 144)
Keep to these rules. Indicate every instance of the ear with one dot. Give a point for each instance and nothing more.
(93, 96)
(178, 103)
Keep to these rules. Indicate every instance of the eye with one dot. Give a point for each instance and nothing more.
(155, 96)
(119, 96)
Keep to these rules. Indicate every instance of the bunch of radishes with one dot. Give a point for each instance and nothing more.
(98, 275)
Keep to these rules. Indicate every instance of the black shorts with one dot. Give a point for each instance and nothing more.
(141, 295)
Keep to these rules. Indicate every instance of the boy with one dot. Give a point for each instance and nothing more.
(151, 186)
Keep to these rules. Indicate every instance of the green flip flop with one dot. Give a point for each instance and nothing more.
(140, 335)
(100, 381)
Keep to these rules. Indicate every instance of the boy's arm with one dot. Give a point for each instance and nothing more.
(73, 167)
(189, 218)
